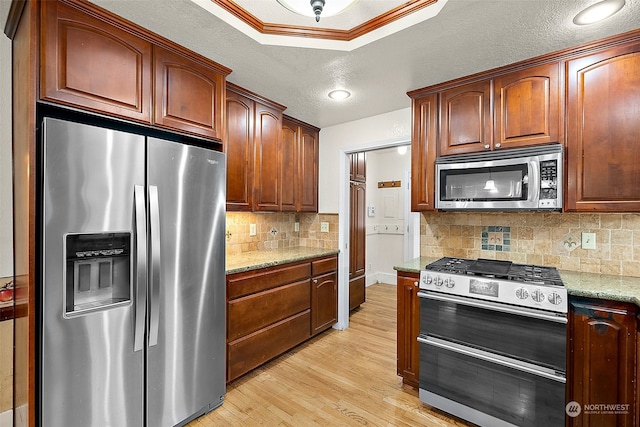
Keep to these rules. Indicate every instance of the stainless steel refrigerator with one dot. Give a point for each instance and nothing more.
(132, 329)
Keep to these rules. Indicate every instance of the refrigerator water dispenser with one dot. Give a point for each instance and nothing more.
(97, 270)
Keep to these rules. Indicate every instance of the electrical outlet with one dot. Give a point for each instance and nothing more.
(296, 226)
(252, 230)
(324, 227)
(588, 240)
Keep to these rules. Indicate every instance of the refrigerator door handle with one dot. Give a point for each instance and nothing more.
(141, 267)
(154, 311)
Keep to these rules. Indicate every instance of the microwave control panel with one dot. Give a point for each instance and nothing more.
(548, 183)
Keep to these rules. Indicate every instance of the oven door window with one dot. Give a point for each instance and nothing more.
(485, 184)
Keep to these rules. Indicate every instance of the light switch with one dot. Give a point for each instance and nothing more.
(588, 240)
(252, 230)
(296, 226)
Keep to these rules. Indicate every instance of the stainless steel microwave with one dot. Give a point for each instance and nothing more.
(528, 178)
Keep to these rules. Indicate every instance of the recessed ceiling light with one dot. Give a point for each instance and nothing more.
(339, 94)
(598, 11)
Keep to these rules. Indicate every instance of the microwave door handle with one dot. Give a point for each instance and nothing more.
(534, 181)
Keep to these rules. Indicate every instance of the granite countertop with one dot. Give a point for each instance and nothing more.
(247, 261)
(591, 285)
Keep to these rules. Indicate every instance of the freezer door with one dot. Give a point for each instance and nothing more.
(90, 374)
(186, 353)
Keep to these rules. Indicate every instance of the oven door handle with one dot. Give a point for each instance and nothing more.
(494, 358)
(504, 308)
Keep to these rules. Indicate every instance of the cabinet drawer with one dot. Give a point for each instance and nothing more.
(255, 349)
(324, 266)
(242, 284)
(250, 313)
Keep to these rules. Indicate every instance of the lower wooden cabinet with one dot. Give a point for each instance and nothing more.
(408, 356)
(602, 369)
(271, 310)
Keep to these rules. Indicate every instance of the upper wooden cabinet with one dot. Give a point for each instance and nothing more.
(603, 125)
(528, 107)
(526, 111)
(299, 151)
(423, 152)
(90, 63)
(98, 61)
(253, 151)
(188, 96)
(465, 119)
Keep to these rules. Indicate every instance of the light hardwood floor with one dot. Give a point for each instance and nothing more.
(340, 378)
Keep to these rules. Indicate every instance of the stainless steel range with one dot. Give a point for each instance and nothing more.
(493, 341)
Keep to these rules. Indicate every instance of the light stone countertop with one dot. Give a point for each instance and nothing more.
(590, 285)
(238, 263)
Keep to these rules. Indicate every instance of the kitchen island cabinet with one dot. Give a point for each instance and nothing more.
(272, 309)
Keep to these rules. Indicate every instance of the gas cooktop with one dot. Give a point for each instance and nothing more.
(500, 281)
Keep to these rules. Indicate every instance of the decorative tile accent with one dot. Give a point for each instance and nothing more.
(496, 238)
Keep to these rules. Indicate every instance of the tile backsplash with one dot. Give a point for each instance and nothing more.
(553, 239)
(277, 230)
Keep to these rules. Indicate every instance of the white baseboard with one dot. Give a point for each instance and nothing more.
(380, 277)
(6, 418)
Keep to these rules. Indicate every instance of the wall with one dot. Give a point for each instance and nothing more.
(385, 229)
(552, 239)
(276, 231)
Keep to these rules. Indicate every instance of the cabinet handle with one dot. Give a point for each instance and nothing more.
(315, 281)
(497, 145)
(415, 283)
(486, 146)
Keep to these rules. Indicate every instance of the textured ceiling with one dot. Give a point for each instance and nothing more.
(466, 37)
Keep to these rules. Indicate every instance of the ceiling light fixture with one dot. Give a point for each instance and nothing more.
(324, 7)
(598, 11)
(339, 94)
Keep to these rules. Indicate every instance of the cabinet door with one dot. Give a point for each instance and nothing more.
(423, 153)
(466, 119)
(408, 312)
(357, 292)
(89, 63)
(307, 191)
(266, 176)
(528, 107)
(239, 148)
(188, 95)
(289, 165)
(324, 302)
(602, 357)
(358, 167)
(357, 230)
(603, 101)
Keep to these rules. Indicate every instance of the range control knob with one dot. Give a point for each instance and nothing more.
(554, 298)
(522, 293)
(438, 281)
(449, 283)
(537, 295)
(427, 280)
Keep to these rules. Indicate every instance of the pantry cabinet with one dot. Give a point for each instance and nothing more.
(408, 324)
(603, 110)
(602, 361)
